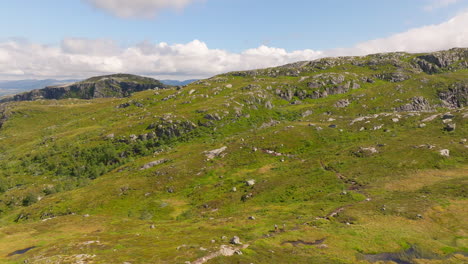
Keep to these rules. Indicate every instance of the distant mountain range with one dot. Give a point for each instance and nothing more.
(20, 86)
(178, 83)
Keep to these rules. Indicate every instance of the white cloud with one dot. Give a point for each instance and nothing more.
(138, 8)
(436, 4)
(90, 46)
(81, 58)
(450, 34)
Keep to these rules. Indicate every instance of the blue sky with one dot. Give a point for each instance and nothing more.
(100, 35)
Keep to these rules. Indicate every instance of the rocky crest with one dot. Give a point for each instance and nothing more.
(117, 85)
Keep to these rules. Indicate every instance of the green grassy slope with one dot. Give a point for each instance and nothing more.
(332, 184)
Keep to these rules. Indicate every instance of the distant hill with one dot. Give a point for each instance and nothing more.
(18, 86)
(178, 83)
(116, 85)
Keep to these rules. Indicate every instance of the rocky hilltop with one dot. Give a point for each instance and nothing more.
(117, 85)
(339, 160)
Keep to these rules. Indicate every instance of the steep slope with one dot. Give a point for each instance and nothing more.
(339, 160)
(117, 85)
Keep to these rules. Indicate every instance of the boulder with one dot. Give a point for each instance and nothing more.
(445, 152)
(250, 182)
(235, 240)
(214, 153)
(450, 127)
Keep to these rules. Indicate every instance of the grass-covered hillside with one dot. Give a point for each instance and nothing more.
(340, 160)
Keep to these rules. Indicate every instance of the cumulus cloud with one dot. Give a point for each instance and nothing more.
(436, 4)
(81, 58)
(137, 8)
(78, 58)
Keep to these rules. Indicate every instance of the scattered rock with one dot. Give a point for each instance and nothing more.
(269, 124)
(342, 103)
(378, 127)
(250, 182)
(215, 153)
(422, 125)
(430, 118)
(153, 163)
(448, 116)
(251, 217)
(213, 117)
(446, 121)
(445, 152)
(235, 241)
(450, 127)
(307, 113)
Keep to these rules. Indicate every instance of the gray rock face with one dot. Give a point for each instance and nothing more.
(342, 103)
(153, 163)
(435, 62)
(456, 96)
(117, 85)
(417, 104)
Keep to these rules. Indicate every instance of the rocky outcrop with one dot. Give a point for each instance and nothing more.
(456, 96)
(171, 129)
(117, 85)
(394, 76)
(438, 61)
(342, 103)
(417, 104)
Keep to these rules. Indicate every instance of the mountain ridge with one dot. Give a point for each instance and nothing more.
(115, 85)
